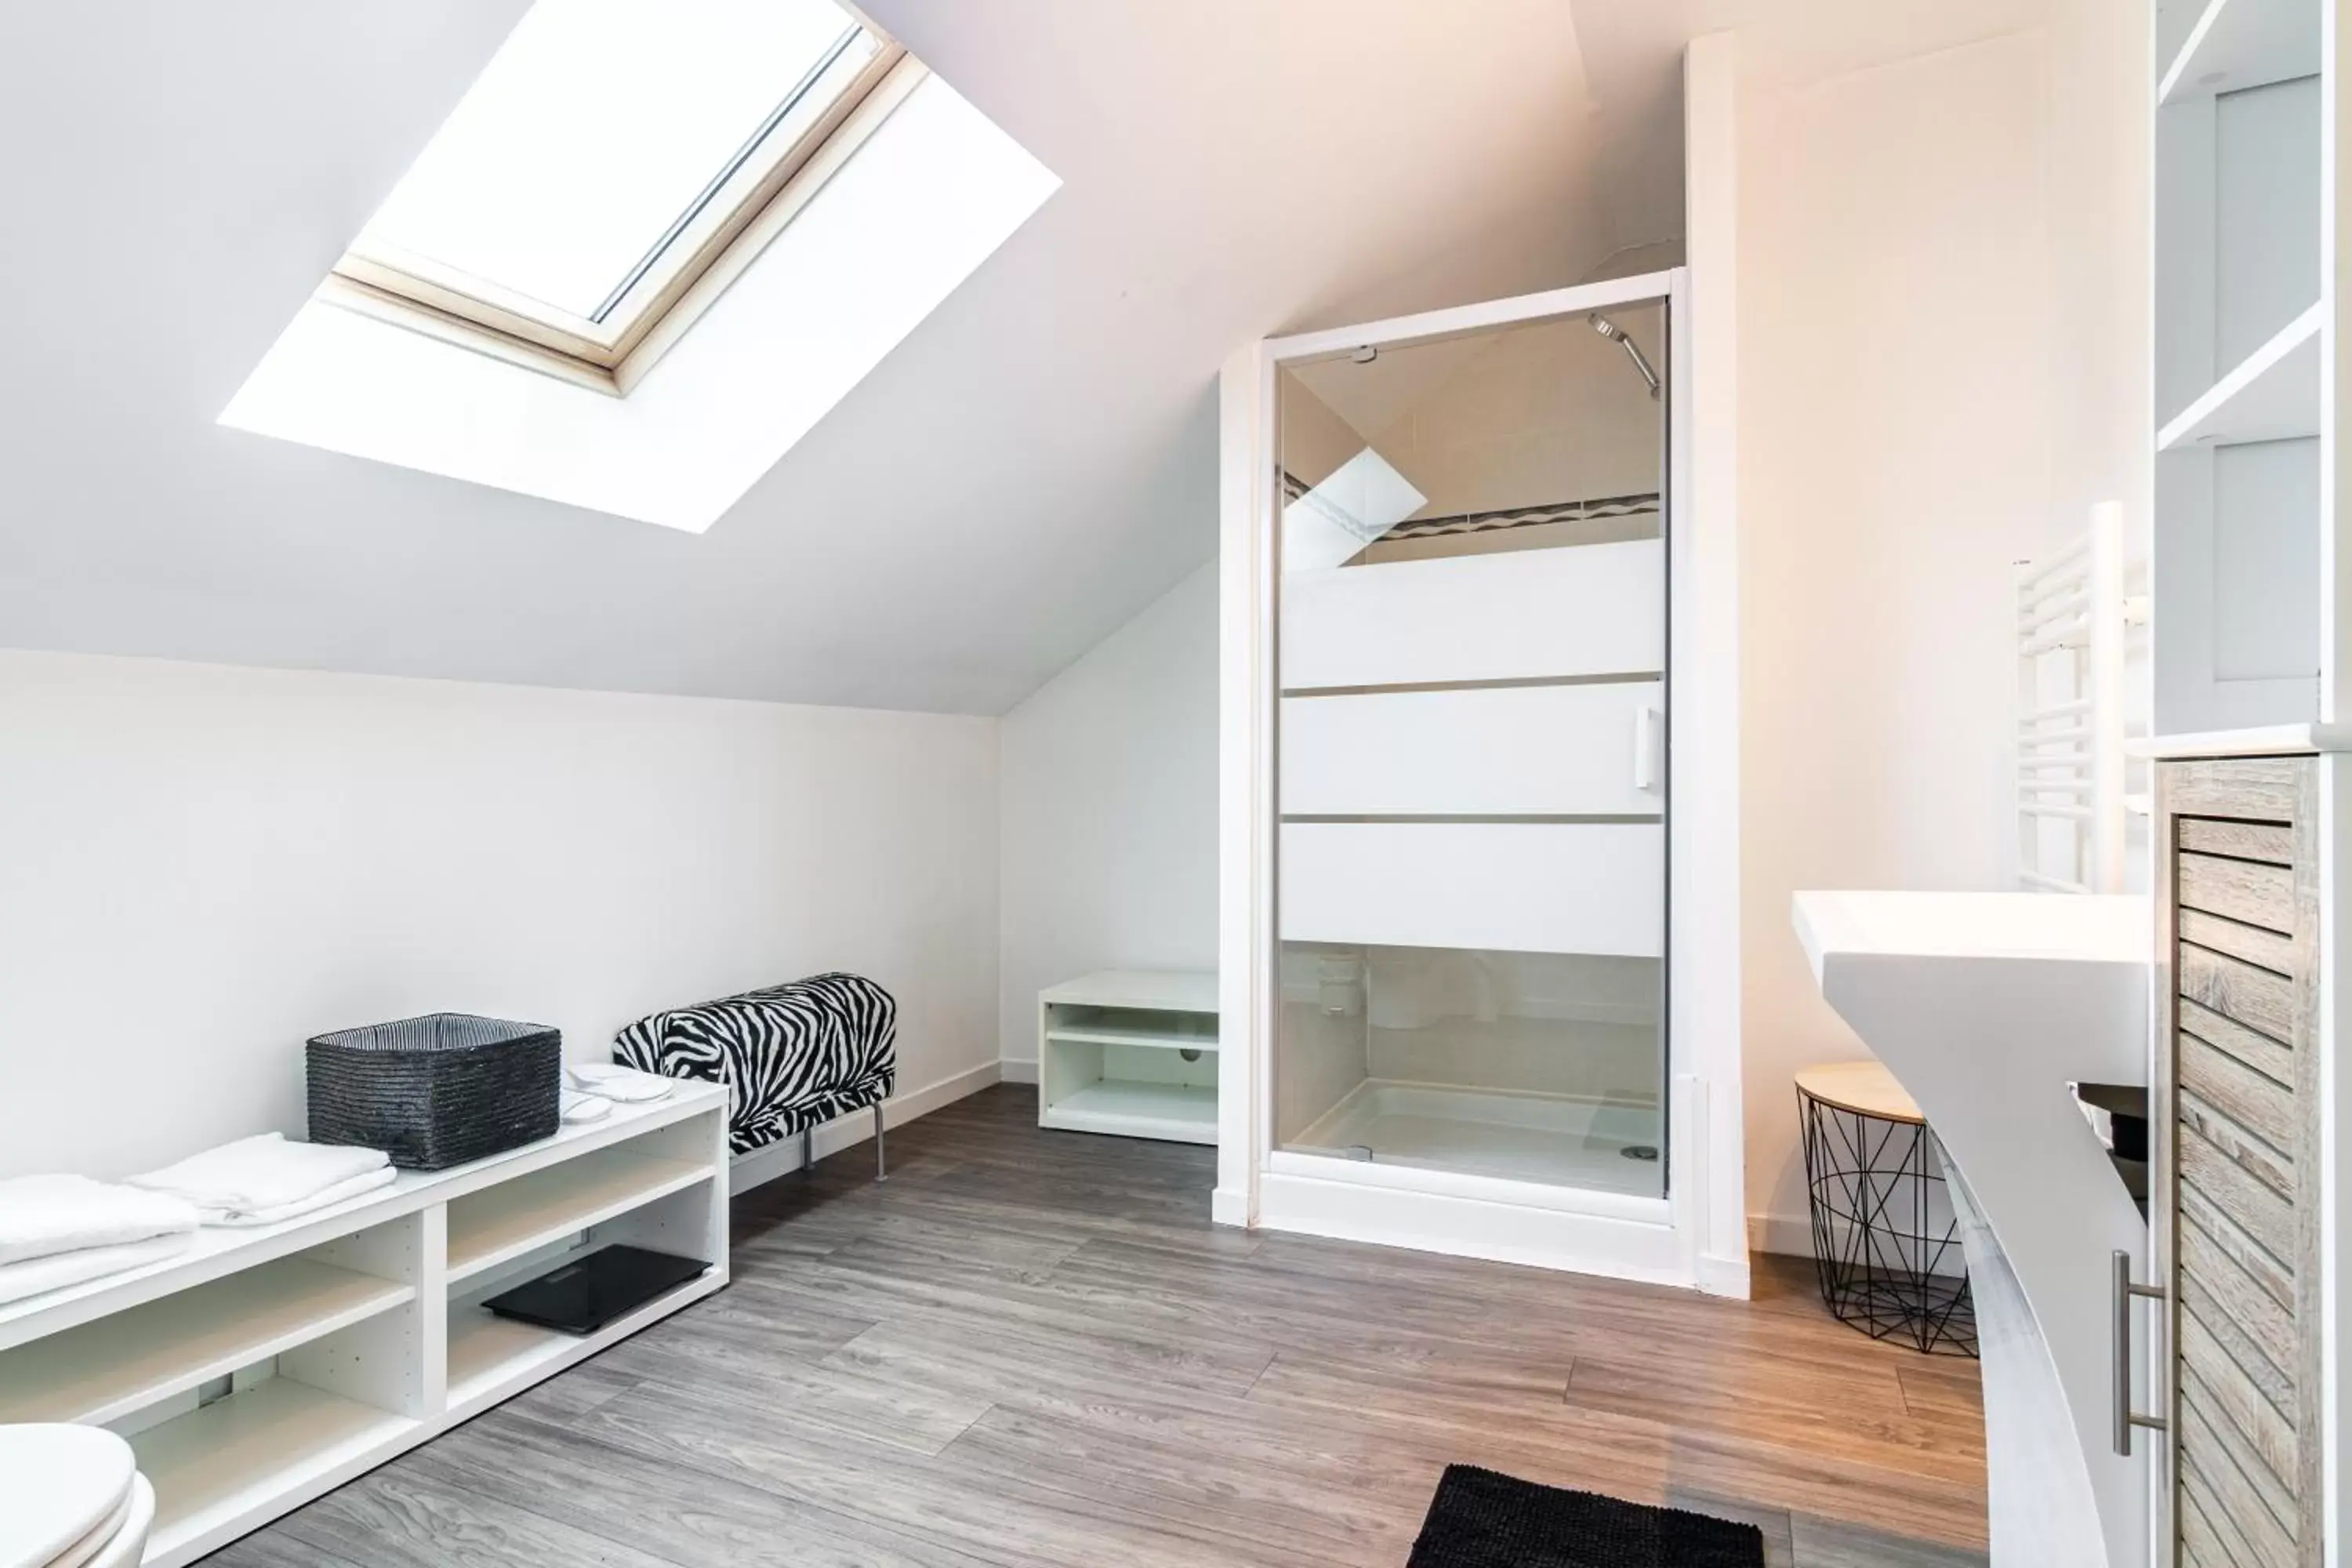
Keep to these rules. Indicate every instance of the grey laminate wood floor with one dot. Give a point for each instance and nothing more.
(1033, 1347)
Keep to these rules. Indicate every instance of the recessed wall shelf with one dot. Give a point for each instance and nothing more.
(354, 1335)
(2272, 395)
(1129, 1052)
(2239, 43)
(2241, 629)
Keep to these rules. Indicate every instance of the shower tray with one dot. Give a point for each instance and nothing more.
(1558, 1139)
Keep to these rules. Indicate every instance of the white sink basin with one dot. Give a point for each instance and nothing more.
(1987, 1006)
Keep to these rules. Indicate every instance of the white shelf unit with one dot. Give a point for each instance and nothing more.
(2244, 624)
(1129, 1052)
(2271, 395)
(2251, 636)
(260, 1368)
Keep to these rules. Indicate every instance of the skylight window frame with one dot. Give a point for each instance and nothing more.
(777, 174)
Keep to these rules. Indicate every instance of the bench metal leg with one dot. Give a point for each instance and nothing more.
(881, 1170)
(808, 1150)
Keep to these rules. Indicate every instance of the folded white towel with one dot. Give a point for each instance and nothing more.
(41, 1217)
(365, 1181)
(18, 1281)
(255, 1176)
(625, 1085)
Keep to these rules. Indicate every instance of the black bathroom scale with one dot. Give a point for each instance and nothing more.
(589, 1292)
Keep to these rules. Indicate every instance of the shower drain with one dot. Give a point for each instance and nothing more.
(1640, 1151)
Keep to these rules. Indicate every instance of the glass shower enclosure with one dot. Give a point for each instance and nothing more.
(1470, 725)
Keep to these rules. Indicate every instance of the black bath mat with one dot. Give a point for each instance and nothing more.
(1482, 1520)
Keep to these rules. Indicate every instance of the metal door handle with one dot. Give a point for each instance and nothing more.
(2120, 1305)
(1646, 747)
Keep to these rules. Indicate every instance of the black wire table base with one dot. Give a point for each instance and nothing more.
(1887, 1252)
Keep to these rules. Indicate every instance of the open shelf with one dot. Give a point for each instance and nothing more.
(1183, 1113)
(2271, 396)
(1173, 1037)
(1130, 1052)
(492, 1358)
(116, 1364)
(220, 1469)
(487, 1352)
(500, 1224)
(2239, 43)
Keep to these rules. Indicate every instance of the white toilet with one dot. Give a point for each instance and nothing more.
(71, 1497)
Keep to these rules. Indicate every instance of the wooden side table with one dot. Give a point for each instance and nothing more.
(1886, 1242)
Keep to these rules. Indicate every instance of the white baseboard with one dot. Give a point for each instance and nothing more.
(1229, 1205)
(1790, 1235)
(1725, 1276)
(781, 1158)
(1017, 1069)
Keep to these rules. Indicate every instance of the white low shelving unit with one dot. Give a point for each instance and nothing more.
(260, 1368)
(1131, 1052)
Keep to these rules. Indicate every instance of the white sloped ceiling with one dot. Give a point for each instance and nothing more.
(1031, 466)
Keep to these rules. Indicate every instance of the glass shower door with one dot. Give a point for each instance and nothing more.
(1470, 745)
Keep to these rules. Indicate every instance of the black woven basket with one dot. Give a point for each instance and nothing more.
(438, 1091)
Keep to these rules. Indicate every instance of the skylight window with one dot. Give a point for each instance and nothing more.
(767, 195)
(614, 155)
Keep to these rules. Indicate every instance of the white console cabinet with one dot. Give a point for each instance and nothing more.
(261, 1368)
(1132, 1052)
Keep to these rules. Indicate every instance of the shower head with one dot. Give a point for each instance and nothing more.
(1623, 340)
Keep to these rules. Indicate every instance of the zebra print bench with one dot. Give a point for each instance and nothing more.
(790, 1056)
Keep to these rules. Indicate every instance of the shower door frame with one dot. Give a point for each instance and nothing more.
(1665, 1239)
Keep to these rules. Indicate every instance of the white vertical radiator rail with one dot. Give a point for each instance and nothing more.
(2072, 612)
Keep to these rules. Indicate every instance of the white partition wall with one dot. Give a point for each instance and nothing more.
(1453, 776)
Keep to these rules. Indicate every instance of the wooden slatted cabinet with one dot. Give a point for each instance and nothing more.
(2235, 1202)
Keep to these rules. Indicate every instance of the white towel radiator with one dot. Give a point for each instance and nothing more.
(2072, 612)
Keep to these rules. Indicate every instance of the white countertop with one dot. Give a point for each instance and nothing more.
(2117, 929)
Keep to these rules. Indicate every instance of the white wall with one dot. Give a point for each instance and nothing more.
(204, 866)
(1942, 366)
(1110, 840)
(1936, 376)
(2102, 361)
